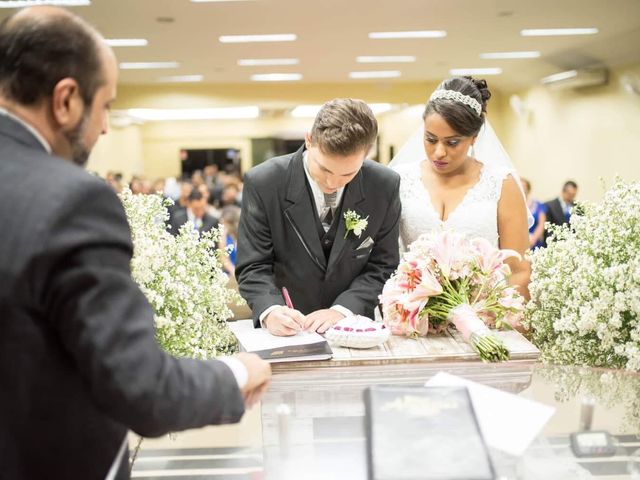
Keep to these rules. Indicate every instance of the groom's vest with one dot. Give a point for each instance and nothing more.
(326, 238)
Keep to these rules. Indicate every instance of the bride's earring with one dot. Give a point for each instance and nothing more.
(472, 152)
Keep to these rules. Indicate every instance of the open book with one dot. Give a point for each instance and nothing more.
(302, 346)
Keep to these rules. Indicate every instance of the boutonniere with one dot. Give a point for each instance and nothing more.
(354, 223)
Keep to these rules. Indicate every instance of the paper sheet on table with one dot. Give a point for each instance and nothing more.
(255, 339)
(508, 422)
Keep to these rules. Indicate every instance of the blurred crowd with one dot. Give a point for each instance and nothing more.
(202, 200)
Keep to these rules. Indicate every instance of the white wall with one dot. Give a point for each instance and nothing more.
(575, 134)
(120, 150)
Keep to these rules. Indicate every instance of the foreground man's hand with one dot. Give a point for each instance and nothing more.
(259, 377)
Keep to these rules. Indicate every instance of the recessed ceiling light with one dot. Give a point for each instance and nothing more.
(147, 65)
(550, 32)
(126, 42)
(379, 74)
(265, 62)
(310, 111)
(159, 114)
(31, 3)
(386, 59)
(276, 77)
(377, 108)
(277, 37)
(556, 77)
(509, 55)
(475, 71)
(305, 111)
(414, 34)
(217, 1)
(181, 78)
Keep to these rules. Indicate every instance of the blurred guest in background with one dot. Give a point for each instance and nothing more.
(183, 199)
(538, 210)
(230, 194)
(559, 209)
(158, 186)
(195, 215)
(210, 174)
(114, 180)
(135, 185)
(230, 219)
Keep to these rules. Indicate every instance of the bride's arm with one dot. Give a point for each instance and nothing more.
(514, 233)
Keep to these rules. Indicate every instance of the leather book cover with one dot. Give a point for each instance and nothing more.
(424, 433)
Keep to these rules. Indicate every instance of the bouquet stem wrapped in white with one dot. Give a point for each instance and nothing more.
(446, 279)
(182, 279)
(585, 286)
(465, 318)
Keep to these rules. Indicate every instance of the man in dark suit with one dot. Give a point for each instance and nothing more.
(293, 232)
(558, 210)
(195, 215)
(79, 364)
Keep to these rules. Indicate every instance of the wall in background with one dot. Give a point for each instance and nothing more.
(579, 134)
(583, 134)
(121, 150)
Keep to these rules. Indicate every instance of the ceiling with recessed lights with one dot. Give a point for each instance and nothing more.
(330, 36)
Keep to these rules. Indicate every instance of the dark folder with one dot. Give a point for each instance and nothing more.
(424, 433)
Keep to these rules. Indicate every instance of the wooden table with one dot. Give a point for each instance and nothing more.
(444, 347)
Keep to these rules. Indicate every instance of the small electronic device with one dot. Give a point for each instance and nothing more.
(592, 444)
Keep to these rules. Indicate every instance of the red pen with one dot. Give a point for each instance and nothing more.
(287, 298)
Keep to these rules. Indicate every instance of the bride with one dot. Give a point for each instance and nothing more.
(466, 182)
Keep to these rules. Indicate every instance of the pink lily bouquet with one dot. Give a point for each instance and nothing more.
(446, 279)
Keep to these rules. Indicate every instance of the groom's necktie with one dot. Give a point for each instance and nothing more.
(329, 204)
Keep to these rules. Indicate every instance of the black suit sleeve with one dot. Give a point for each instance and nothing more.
(383, 260)
(106, 325)
(254, 269)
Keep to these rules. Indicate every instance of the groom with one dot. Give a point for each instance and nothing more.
(293, 232)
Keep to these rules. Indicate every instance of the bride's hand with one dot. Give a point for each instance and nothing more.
(321, 320)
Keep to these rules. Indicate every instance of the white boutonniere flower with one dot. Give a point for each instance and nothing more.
(354, 223)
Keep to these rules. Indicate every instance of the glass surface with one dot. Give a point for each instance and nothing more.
(313, 417)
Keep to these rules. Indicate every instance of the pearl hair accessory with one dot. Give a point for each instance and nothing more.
(457, 97)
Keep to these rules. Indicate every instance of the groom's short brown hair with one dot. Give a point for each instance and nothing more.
(344, 126)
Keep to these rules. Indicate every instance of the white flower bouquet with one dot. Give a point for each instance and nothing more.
(182, 279)
(585, 286)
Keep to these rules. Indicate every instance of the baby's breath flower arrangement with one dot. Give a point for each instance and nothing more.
(182, 279)
(585, 286)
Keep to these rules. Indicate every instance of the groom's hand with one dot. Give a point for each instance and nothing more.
(322, 320)
(284, 321)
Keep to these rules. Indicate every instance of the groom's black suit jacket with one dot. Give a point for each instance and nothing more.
(279, 244)
(79, 363)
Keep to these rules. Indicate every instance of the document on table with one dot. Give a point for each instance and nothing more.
(302, 346)
(508, 422)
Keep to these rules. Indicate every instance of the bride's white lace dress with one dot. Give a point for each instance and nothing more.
(475, 216)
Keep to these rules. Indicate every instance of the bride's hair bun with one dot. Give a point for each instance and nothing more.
(485, 93)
